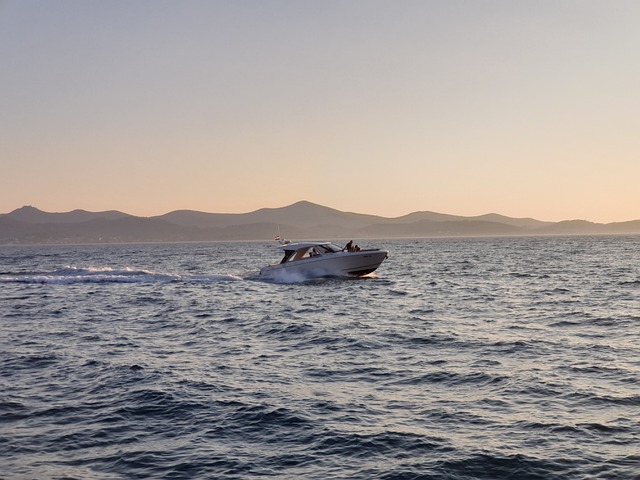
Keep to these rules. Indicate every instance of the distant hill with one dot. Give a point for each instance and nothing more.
(301, 214)
(30, 214)
(301, 220)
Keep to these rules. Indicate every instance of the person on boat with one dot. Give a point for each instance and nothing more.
(349, 246)
(356, 248)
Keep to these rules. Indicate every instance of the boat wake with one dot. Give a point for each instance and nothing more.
(70, 275)
(287, 277)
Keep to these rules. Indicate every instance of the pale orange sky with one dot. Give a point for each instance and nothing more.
(528, 109)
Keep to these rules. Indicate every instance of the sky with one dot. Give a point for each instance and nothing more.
(466, 107)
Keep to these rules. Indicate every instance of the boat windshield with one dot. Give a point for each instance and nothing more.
(310, 251)
(331, 247)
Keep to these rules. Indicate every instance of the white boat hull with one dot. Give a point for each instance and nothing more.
(339, 264)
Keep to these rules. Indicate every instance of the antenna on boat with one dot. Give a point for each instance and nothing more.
(278, 238)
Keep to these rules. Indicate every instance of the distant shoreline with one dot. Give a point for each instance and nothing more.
(345, 239)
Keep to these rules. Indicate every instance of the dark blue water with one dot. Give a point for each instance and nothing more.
(461, 359)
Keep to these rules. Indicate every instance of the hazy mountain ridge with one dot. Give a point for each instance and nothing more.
(31, 214)
(301, 220)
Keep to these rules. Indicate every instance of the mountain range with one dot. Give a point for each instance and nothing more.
(301, 220)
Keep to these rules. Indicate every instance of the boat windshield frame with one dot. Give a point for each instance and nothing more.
(293, 252)
(332, 247)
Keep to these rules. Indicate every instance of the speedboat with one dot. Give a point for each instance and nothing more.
(324, 259)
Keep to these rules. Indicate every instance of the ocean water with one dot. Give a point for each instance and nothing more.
(476, 358)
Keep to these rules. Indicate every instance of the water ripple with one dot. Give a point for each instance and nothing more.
(462, 359)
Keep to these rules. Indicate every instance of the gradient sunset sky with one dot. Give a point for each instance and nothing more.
(524, 108)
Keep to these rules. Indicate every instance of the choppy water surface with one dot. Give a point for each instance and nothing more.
(460, 359)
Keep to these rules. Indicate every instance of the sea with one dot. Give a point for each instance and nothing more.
(460, 358)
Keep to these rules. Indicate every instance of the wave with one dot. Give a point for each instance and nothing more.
(70, 275)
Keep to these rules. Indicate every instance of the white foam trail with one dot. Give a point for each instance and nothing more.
(282, 276)
(70, 275)
(285, 277)
(210, 278)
